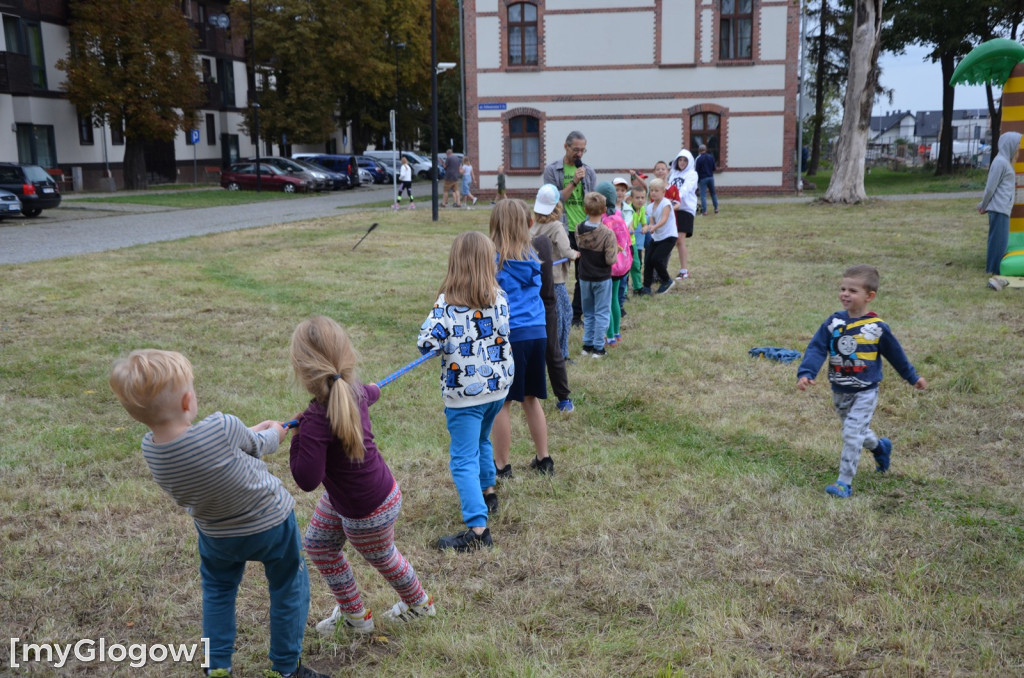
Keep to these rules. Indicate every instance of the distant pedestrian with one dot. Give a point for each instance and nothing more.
(705, 163)
(452, 177)
(466, 171)
(405, 176)
(998, 199)
(501, 182)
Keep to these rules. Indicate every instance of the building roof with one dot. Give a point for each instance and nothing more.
(883, 123)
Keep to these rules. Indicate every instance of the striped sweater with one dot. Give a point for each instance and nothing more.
(215, 473)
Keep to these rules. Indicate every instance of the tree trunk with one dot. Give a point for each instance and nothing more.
(819, 93)
(944, 165)
(996, 116)
(134, 164)
(847, 184)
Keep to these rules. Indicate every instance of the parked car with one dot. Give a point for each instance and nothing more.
(242, 175)
(374, 167)
(339, 163)
(9, 204)
(35, 188)
(335, 180)
(319, 180)
(420, 165)
(365, 177)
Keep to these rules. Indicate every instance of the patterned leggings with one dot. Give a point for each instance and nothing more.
(564, 307)
(374, 538)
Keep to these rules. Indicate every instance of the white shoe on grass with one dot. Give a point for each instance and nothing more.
(401, 612)
(359, 624)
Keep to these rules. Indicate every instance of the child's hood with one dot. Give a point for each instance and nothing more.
(681, 174)
(523, 272)
(1009, 142)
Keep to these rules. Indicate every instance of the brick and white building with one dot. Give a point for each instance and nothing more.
(640, 78)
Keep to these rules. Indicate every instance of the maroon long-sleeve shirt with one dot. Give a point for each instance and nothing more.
(356, 489)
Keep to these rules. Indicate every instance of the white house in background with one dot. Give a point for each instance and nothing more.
(640, 78)
(885, 130)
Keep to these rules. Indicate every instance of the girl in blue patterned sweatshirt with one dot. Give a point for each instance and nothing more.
(469, 325)
(855, 341)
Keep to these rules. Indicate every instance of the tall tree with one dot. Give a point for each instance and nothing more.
(369, 57)
(847, 183)
(950, 28)
(828, 53)
(131, 63)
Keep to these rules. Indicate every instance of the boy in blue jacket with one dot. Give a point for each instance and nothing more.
(855, 340)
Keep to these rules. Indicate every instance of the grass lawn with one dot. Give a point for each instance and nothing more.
(686, 531)
(885, 181)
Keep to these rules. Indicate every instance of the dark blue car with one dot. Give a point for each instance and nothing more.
(345, 164)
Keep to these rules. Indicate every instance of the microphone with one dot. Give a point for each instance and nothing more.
(579, 162)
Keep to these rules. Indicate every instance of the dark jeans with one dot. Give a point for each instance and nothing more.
(577, 307)
(656, 260)
(553, 355)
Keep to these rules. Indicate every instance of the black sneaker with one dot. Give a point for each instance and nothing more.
(666, 286)
(492, 503)
(598, 353)
(644, 292)
(545, 466)
(300, 672)
(465, 541)
(587, 350)
(504, 473)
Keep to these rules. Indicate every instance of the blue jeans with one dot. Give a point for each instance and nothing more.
(707, 184)
(472, 457)
(998, 239)
(596, 300)
(221, 565)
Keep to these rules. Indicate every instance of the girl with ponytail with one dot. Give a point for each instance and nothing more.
(334, 447)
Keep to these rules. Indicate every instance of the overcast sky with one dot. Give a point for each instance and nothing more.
(917, 85)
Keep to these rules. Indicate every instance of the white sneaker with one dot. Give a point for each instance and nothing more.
(474, 200)
(997, 284)
(403, 613)
(363, 624)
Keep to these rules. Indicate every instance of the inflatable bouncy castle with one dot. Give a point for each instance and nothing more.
(1000, 62)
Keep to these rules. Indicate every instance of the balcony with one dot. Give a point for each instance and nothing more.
(15, 73)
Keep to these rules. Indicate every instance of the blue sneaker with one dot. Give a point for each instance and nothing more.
(565, 406)
(882, 453)
(841, 490)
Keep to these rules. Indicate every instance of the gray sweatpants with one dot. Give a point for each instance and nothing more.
(855, 411)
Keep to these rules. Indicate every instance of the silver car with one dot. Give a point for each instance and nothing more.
(9, 204)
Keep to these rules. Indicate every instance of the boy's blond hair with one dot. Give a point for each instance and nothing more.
(150, 383)
(866, 274)
(594, 204)
(656, 185)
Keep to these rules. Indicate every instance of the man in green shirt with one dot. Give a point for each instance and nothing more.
(576, 179)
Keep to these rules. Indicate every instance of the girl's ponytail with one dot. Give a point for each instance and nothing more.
(325, 361)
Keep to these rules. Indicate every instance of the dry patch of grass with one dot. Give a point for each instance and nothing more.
(686, 531)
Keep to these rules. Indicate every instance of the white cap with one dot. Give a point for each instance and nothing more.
(620, 180)
(547, 199)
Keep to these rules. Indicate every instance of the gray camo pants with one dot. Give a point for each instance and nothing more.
(855, 411)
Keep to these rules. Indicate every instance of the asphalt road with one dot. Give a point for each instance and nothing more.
(79, 228)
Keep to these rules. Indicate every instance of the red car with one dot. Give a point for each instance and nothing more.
(242, 176)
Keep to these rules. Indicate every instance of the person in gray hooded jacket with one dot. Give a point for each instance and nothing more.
(998, 199)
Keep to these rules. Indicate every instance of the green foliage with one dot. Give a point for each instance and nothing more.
(131, 62)
(325, 61)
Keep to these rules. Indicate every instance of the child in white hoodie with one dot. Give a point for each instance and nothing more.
(684, 177)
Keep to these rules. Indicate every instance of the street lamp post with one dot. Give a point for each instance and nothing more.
(433, 108)
(255, 98)
(394, 125)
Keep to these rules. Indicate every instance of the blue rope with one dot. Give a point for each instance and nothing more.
(402, 370)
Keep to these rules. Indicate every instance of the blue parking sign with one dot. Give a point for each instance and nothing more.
(193, 135)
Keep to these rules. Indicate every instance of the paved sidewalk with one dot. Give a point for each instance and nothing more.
(78, 227)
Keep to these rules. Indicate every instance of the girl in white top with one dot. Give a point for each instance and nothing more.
(405, 176)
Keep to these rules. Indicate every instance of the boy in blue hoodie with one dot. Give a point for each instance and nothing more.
(855, 341)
